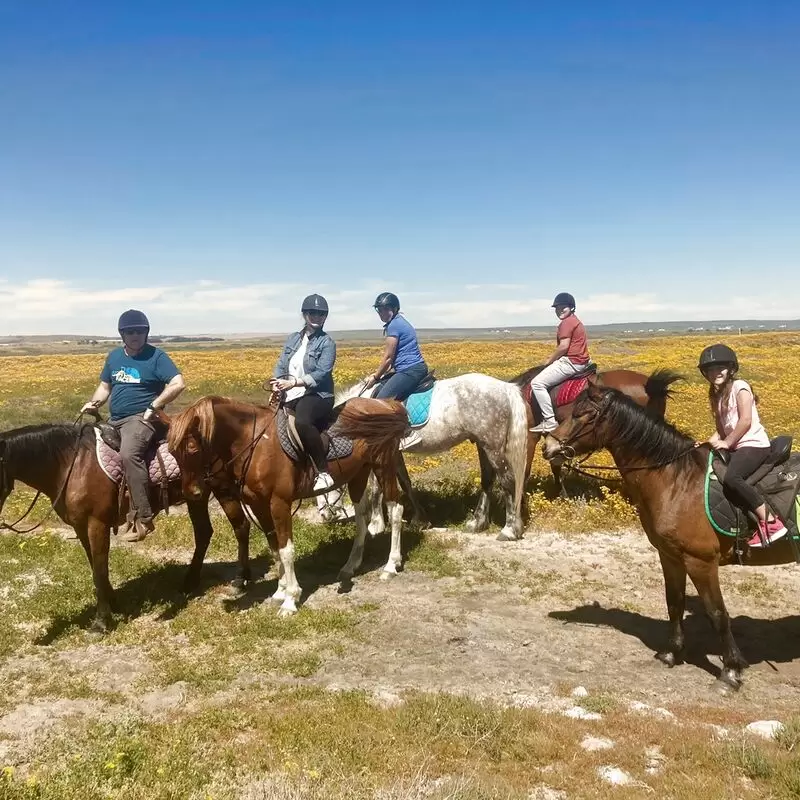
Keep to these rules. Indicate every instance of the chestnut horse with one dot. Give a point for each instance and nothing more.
(59, 461)
(650, 391)
(663, 473)
(233, 447)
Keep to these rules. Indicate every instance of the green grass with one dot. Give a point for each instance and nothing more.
(433, 555)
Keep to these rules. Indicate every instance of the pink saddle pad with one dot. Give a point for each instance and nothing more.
(111, 462)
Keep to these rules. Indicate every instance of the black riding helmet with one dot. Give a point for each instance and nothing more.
(387, 300)
(314, 302)
(133, 318)
(718, 355)
(564, 299)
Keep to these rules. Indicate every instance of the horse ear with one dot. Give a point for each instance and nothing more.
(594, 391)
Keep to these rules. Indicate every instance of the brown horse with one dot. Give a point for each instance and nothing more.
(663, 473)
(234, 447)
(650, 391)
(60, 462)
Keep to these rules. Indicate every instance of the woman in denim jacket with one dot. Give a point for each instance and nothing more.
(305, 373)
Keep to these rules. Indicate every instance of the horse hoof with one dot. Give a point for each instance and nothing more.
(345, 586)
(669, 658)
(278, 597)
(287, 611)
(375, 530)
(506, 535)
(238, 584)
(728, 682)
(99, 627)
(388, 574)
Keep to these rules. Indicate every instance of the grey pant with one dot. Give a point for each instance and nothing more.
(136, 435)
(552, 374)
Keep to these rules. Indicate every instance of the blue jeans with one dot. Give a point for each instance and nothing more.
(402, 384)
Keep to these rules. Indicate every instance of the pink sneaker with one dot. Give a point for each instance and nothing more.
(772, 530)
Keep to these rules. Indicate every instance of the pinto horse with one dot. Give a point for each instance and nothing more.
(663, 472)
(649, 391)
(233, 447)
(60, 461)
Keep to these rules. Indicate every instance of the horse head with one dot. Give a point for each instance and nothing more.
(583, 430)
(190, 439)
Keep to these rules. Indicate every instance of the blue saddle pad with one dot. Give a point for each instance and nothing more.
(418, 407)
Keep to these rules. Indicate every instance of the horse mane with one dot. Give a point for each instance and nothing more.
(526, 377)
(648, 435)
(47, 442)
(348, 393)
(198, 418)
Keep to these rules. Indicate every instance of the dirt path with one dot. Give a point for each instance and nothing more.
(570, 611)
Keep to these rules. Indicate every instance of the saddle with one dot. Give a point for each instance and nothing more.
(418, 403)
(777, 480)
(563, 393)
(335, 446)
(161, 464)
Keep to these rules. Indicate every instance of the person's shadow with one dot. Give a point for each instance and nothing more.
(760, 640)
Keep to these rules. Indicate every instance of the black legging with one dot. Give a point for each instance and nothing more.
(744, 462)
(311, 412)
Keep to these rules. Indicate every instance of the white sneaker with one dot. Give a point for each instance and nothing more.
(548, 426)
(323, 481)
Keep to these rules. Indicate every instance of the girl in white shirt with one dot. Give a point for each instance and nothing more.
(739, 430)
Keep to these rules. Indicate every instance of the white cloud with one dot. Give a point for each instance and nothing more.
(53, 306)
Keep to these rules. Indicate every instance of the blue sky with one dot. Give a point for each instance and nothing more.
(213, 163)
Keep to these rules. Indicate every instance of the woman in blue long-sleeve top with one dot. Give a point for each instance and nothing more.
(305, 373)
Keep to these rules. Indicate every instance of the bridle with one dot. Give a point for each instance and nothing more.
(567, 450)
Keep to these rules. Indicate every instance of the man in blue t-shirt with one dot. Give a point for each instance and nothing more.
(401, 353)
(140, 379)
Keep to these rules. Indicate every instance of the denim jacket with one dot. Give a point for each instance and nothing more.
(317, 364)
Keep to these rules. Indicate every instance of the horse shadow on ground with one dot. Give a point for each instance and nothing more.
(760, 640)
(321, 568)
(159, 588)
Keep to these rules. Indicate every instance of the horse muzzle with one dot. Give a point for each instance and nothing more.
(555, 449)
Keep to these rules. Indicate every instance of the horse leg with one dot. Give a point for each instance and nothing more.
(241, 529)
(281, 512)
(201, 525)
(420, 517)
(705, 577)
(388, 479)
(95, 538)
(480, 519)
(376, 524)
(361, 487)
(675, 588)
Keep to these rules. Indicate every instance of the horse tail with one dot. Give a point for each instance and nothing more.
(657, 387)
(380, 424)
(517, 444)
(198, 419)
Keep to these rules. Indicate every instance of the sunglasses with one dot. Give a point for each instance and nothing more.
(317, 313)
(132, 331)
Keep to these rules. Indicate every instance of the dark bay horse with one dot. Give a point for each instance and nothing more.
(233, 447)
(649, 391)
(60, 461)
(663, 473)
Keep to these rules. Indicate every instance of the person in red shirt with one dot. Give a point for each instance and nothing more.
(569, 360)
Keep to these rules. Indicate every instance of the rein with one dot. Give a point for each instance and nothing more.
(568, 452)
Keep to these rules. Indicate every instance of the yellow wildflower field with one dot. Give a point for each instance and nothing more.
(45, 388)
